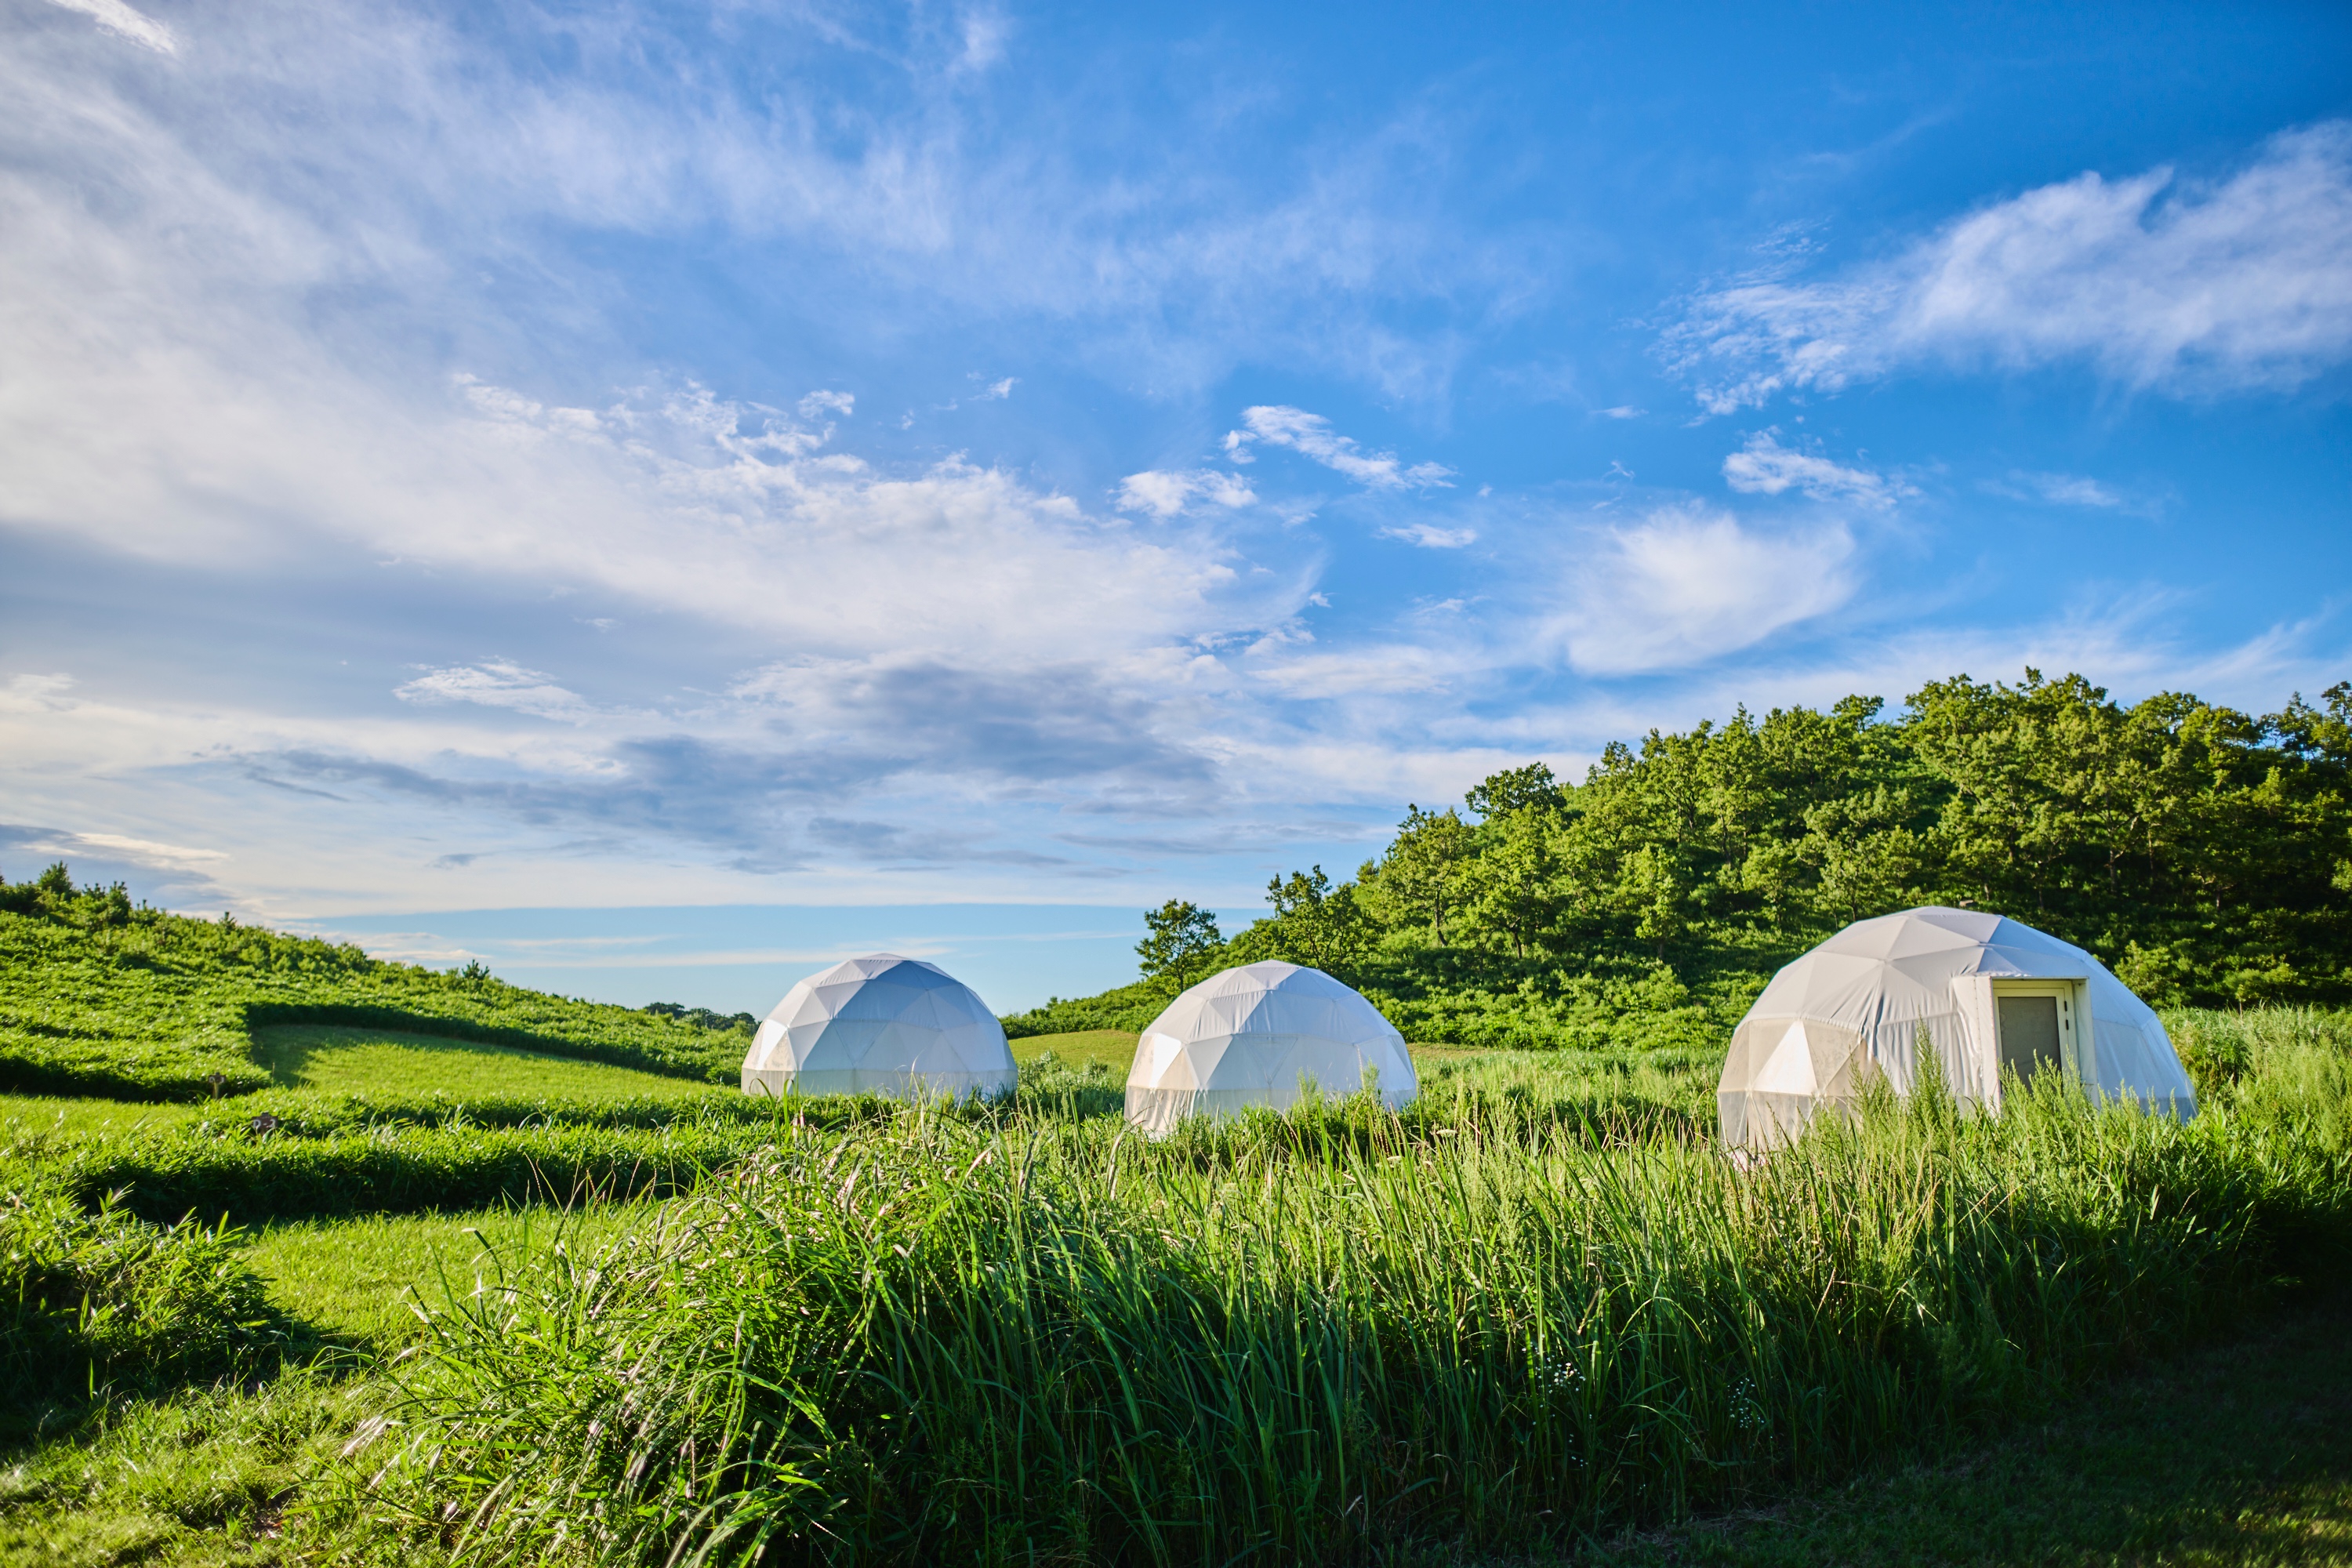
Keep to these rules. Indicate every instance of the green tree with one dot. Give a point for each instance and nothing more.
(1421, 872)
(1314, 923)
(1514, 883)
(1501, 794)
(1182, 935)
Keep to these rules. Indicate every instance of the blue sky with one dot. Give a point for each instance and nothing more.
(658, 498)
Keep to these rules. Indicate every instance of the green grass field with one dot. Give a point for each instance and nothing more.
(1113, 1049)
(1533, 1319)
(333, 1059)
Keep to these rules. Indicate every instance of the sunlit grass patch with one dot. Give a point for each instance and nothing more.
(24, 1116)
(361, 1280)
(389, 1063)
(1082, 1048)
(207, 1476)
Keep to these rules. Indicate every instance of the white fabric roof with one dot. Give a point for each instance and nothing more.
(1255, 1035)
(1861, 1001)
(881, 1024)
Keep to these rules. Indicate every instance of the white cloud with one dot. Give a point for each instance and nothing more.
(148, 850)
(2157, 283)
(35, 693)
(1312, 435)
(1389, 669)
(1165, 492)
(1429, 536)
(1764, 466)
(499, 684)
(1623, 411)
(1687, 585)
(124, 22)
(2061, 489)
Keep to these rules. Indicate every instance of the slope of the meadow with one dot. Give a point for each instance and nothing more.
(415, 1294)
(99, 998)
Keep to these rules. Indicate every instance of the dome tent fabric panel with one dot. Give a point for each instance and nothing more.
(1259, 1036)
(883, 1025)
(1868, 998)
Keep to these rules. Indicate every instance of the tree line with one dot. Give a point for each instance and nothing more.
(2203, 853)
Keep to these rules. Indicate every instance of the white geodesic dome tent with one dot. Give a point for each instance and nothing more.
(1984, 991)
(1260, 1035)
(881, 1024)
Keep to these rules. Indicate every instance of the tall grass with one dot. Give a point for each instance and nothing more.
(1313, 1339)
(98, 1301)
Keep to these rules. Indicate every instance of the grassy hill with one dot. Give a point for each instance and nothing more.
(100, 997)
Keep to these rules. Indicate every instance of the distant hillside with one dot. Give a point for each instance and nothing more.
(98, 996)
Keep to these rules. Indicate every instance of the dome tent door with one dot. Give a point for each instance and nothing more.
(2037, 1022)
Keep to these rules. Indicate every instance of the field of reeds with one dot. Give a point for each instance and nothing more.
(422, 1300)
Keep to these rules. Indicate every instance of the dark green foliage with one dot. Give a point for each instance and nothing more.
(214, 1171)
(2204, 854)
(96, 998)
(703, 1017)
(1128, 1007)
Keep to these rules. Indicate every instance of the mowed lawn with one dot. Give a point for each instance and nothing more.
(32, 1115)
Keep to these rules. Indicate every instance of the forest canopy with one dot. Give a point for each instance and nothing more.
(2203, 853)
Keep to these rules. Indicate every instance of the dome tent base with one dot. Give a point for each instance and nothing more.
(777, 1084)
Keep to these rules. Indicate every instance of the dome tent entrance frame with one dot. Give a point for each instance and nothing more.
(1980, 990)
(1268, 1035)
(881, 1024)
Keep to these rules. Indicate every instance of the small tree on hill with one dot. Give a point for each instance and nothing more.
(1314, 923)
(1183, 934)
(1424, 869)
(1514, 789)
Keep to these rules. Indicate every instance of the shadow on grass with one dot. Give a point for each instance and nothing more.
(2239, 1454)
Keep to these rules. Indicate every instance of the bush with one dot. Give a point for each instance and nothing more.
(230, 1171)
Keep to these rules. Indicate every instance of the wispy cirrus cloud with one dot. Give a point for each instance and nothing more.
(1430, 536)
(1764, 466)
(2059, 489)
(499, 683)
(125, 21)
(2178, 287)
(1311, 437)
(1164, 492)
